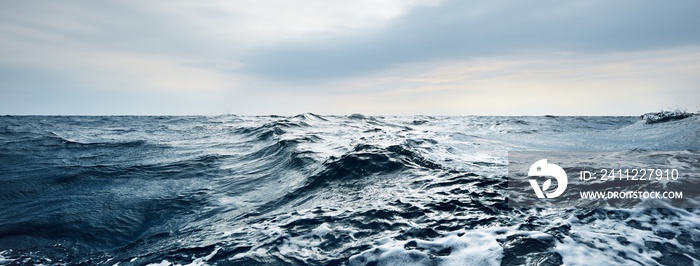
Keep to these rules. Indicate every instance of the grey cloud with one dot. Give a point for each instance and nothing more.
(466, 29)
(105, 25)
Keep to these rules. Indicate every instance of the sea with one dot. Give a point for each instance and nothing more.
(323, 190)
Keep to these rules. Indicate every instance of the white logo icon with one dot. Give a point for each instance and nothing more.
(542, 168)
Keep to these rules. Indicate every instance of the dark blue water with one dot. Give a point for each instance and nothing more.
(318, 190)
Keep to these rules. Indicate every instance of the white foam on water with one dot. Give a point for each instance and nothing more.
(307, 245)
(603, 248)
(615, 241)
(592, 240)
(4, 260)
(196, 262)
(161, 263)
(471, 248)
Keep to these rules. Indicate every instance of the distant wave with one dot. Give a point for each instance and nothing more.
(69, 141)
(665, 116)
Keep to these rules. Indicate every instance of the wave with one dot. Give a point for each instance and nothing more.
(666, 116)
(73, 143)
(270, 130)
(311, 116)
(319, 190)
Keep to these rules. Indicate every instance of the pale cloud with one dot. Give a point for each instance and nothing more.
(114, 70)
(460, 30)
(262, 21)
(146, 72)
(558, 83)
(117, 45)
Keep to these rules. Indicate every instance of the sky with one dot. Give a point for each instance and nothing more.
(389, 57)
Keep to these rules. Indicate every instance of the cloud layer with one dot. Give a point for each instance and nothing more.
(470, 29)
(392, 57)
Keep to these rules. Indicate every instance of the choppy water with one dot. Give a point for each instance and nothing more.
(318, 190)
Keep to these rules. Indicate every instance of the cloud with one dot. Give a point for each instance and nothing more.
(105, 69)
(178, 44)
(628, 83)
(278, 20)
(470, 29)
(387, 57)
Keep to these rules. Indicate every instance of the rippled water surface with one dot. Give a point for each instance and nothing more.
(318, 190)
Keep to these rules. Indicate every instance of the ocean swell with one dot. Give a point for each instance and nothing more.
(322, 190)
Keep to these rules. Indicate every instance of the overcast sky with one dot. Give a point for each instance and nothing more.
(388, 57)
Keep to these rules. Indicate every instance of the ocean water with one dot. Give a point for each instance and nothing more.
(320, 190)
